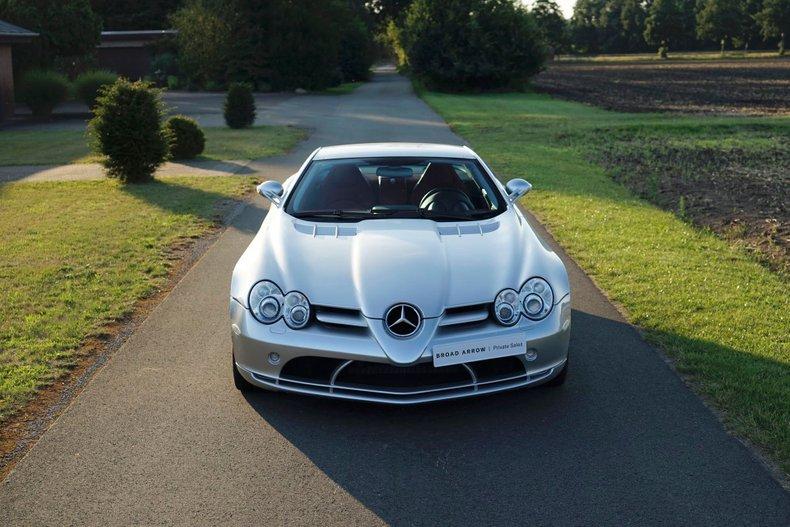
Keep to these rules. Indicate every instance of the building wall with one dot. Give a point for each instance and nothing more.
(132, 62)
(6, 84)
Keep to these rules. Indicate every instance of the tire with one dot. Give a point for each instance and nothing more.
(241, 384)
(559, 380)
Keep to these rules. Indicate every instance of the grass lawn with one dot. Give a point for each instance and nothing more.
(77, 255)
(70, 146)
(719, 313)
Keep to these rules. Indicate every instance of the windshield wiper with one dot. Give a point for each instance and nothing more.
(331, 213)
(465, 216)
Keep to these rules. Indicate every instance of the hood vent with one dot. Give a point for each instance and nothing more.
(335, 231)
(465, 229)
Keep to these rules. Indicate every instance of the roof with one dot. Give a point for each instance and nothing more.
(394, 150)
(11, 34)
(114, 38)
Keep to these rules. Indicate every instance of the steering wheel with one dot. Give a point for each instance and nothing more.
(446, 200)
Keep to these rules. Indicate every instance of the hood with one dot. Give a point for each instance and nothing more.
(373, 264)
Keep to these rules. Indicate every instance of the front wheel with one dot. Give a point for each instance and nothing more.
(241, 384)
(559, 380)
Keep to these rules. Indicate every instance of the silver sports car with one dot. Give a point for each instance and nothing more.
(397, 273)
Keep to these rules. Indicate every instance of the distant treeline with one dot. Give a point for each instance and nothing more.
(313, 44)
(621, 26)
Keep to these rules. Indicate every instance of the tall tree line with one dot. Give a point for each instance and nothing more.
(618, 26)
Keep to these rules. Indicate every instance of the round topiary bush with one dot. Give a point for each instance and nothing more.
(185, 139)
(88, 84)
(42, 90)
(471, 44)
(239, 106)
(127, 130)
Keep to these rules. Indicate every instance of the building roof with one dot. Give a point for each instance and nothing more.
(110, 39)
(11, 34)
(394, 150)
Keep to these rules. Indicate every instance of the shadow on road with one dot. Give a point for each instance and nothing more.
(167, 194)
(611, 433)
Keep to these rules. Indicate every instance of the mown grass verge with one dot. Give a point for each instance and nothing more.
(54, 147)
(75, 256)
(721, 315)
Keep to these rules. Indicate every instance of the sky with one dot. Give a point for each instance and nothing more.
(565, 5)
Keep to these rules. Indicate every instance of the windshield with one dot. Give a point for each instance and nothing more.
(363, 188)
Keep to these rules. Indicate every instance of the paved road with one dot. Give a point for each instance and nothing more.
(159, 436)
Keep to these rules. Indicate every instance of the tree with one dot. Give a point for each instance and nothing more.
(663, 22)
(278, 44)
(551, 24)
(67, 30)
(204, 40)
(584, 26)
(471, 44)
(774, 19)
(632, 22)
(386, 10)
(122, 15)
(721, 20)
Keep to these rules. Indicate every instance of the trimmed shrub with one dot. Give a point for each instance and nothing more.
(87, 85)
(42, 90)
(239, 106)
(185, 139)
(127, 130)
(471, 44)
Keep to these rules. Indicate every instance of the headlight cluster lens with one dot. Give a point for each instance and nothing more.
(267, 304)
(506, 308)
(297, 310)
(537, 298)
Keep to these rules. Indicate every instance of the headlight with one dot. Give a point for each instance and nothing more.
(297, 310)
(267, 304)
(506, 308)
(266, 300)
(537, 298)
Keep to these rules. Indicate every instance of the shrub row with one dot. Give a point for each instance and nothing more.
(43, 90)
(127, 128)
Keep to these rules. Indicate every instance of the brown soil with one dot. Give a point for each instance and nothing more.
(741, 195)
(752, 87)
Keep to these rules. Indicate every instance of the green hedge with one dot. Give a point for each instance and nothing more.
(88, 84)
(471, 44)
(43, 90)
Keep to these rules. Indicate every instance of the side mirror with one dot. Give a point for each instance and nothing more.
(271, 190)
(517, 188)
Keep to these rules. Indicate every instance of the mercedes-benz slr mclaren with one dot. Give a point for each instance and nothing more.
(398, 273)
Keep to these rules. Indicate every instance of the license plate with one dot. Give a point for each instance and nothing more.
(479, 349)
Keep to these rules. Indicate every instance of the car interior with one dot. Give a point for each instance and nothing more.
(443, 187)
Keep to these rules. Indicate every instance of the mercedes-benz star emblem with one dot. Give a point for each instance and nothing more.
(402, 320)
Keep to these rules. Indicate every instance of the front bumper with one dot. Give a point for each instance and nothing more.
(339, 350)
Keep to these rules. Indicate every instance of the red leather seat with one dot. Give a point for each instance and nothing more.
(345, 188)
(436, 175)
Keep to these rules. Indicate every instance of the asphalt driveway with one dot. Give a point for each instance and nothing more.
(160, 436)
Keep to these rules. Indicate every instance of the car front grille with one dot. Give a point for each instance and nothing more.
(453, 318)
(385, 382)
